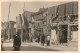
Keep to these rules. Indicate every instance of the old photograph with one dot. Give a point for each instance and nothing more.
(39, 26)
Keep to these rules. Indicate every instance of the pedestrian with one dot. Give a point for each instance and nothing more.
(31, 39)
(48, 40)
(28, 37)
(42, 40)
(62, 38)
(17, 42)
(38, 38)
(2, 49)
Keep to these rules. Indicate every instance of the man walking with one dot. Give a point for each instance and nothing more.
(38, 38)
(17, 42)
(42, 40)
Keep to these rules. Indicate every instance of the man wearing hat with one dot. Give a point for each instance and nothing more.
(17, 42)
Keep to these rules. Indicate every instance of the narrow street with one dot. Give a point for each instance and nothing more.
(33, 46)
(27, 47)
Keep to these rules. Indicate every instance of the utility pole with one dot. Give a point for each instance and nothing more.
(22, 23)
(20, 16)
(46, 25)
(23, 26)
(58, 36)
(68, 29)
(8, 22)
(24, 7)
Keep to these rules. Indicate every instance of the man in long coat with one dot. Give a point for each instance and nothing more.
(42, 40)
(17, 42)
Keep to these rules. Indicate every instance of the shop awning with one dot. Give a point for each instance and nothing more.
(69, 8)
(75, 8)
(61, 10)
(52, 12)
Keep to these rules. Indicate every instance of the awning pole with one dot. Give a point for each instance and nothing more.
(8, 22)
(68, 37)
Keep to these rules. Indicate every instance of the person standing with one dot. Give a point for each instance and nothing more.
(48, 40)
(2, 49)
(17, 42)
(38, 38)
(42, 40)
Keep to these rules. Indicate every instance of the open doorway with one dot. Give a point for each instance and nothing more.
(63, 33)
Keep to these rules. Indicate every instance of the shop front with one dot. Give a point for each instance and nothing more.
(63, 33)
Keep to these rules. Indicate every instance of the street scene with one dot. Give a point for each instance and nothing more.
(39, 26)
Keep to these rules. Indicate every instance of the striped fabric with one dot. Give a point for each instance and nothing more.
(61, 10)
(75, 8)
(69, 8)
(52, 12)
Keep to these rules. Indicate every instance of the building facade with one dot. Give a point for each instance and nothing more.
(8, 30)
(60, 22)
(66, 19)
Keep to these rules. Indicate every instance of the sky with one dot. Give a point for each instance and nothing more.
(17, 8)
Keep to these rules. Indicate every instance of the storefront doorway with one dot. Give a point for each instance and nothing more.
(63, 33)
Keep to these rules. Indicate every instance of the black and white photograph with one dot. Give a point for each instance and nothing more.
(39, 26)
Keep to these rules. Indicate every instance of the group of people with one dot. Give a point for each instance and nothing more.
(17, 42)
(44, 39)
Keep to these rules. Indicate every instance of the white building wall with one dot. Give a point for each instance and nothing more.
(74, 35)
